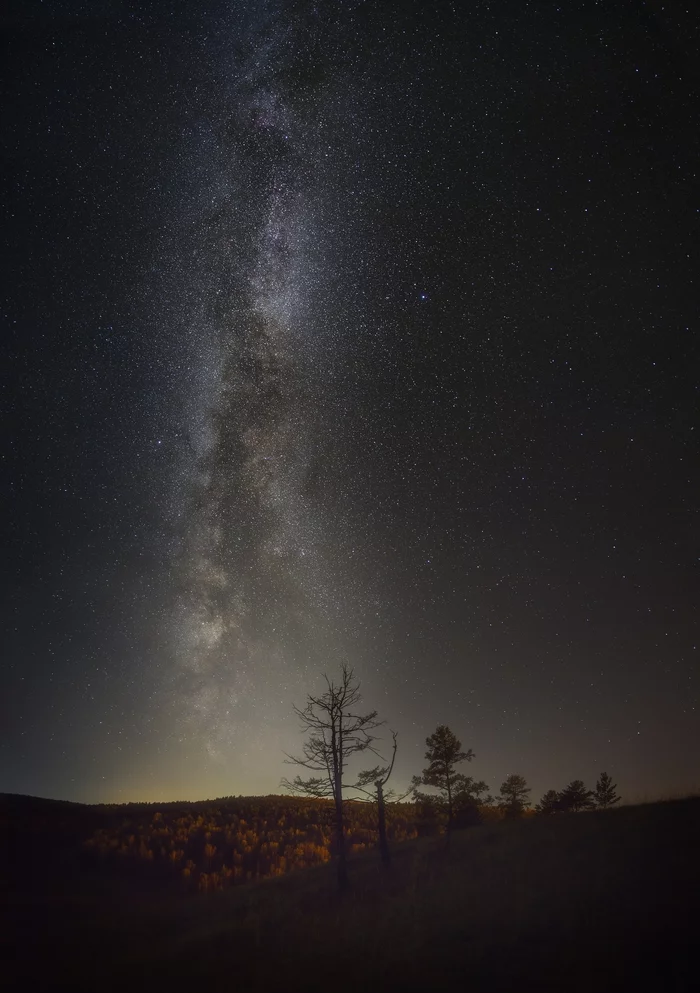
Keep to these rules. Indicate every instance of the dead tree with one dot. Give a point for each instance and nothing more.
(334, 732)
(378, 778)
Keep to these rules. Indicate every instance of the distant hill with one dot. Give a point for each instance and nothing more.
(206, 845)
(19, 803)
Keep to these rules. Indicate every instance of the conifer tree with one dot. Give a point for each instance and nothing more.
(443, 754)
(576, 797)
(515, 793)
(468, 798)
(550, 803)
(604, 793)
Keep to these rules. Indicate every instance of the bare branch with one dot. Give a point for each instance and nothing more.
(307, 787)
(334, 732)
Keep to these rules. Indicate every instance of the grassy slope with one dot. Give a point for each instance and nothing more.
(604, 901)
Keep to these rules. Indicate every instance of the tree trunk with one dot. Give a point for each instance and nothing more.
(337, 753)
(383, 842)
(341, 863)
(449, 812)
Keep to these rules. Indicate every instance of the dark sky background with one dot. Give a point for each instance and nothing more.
(356, 331)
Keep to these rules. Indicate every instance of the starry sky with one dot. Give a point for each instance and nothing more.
(353, 332)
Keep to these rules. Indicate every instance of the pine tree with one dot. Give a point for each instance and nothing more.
(515, 793)
(427, 815)
(550, 803)
(443, 754)
(467, 799)
(576, 797)
(604, 794)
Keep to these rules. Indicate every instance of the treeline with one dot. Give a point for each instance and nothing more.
(464, 801)
(211, 845)
(576, 796)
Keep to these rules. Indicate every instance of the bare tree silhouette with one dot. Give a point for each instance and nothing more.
(334, 732)
(378, 778)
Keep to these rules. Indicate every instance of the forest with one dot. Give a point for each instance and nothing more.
(212, 845)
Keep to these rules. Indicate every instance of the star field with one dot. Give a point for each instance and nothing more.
(364, 333)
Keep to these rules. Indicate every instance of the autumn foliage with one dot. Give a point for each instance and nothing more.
(214, 844)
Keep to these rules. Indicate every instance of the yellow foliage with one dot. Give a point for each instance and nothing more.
(217, 846)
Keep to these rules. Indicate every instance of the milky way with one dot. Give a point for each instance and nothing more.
(255, 599)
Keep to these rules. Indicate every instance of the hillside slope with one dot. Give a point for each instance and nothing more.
(604, 901)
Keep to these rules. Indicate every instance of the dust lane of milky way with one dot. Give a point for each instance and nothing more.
(257, 603)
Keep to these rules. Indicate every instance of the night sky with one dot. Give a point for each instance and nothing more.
(348, 331)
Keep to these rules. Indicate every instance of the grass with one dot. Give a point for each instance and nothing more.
(595, 901)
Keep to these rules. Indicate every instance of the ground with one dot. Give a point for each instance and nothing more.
(592, 901)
